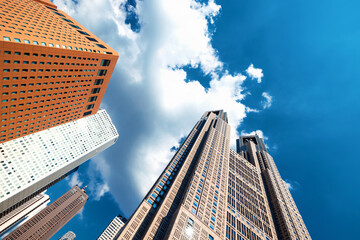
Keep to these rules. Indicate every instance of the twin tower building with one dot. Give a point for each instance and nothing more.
(54, 74)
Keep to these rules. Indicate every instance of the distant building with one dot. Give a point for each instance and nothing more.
(48, 221)
(113, 229)
(53, 70)
(209, 191)
(32, 163)
(68, 236)
(23, 213)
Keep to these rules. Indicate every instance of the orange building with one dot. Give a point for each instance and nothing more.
(53, 70)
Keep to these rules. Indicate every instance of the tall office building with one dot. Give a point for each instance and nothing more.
(288, 220)
(32, 163)
(53, 70)
(21, 214)
(68, 236)
(113, 229)
(47, 222)
(209, 191)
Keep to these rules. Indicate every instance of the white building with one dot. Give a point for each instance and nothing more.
(68, 236)
(113, 228)
(30, 164)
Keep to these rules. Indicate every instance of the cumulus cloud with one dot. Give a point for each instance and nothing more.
(258, 132)
(268, 100)
(289, 186)
(150, 98)
(75, 180)
(81, 214)
(292, 185)
(254, 73)
(97, 187)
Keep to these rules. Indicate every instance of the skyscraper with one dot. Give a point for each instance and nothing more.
(47, 222)
(21, 214)
(113, 229)
(53, 70)
(288, 220)
(68, 236)
(208, 191)
(32, 163)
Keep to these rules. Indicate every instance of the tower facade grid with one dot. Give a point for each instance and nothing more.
(209, 191)
(113, 229)
(30, 163)
(49, 220)
(53, 70)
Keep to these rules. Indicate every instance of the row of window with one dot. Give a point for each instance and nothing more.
(55, 56)
(56, 45)
(43, 15)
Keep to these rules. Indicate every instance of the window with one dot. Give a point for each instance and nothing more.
(17, 40)
(36, 42)
(84, 33)
(105, 62)
(74, 26)
(6, 38)
(58, 14)
(100, 45)
(92, 39)
(91, 106)
(27, 41)
(102, 72)
(92, 99)
(87, 113)
(98, 81)
(67, 20)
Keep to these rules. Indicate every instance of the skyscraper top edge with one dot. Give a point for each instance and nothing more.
(88, 42)
(47, 3)
(220, 113)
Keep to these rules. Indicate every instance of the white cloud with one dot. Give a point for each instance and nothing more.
(268, 100)
(149, 97)
(292, 185)
(248, 109)
(96, 172)
(81, 213)
(289, 186)
(255, 73)
(258, 132)
(75, 180)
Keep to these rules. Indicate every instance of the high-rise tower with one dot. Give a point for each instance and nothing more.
(49, 220)
(53, 70)
(288, 221)
(32, 163)
(21, 214)
(113, 229)
(207, 191)
(68, 236)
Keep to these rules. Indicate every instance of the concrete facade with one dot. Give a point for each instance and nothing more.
(68, 236)
(113, 229)
(48, 221)
(288, 220)
(207, 191)
(22, 213)
(32, 163)
(53, 70)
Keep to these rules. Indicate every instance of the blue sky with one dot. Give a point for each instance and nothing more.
(308, 53)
